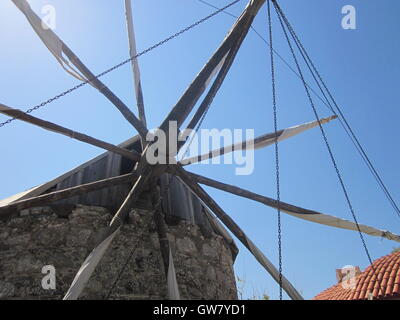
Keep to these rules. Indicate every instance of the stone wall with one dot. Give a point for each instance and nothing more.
(63, 238)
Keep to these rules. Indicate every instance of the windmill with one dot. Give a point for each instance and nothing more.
(209, 81)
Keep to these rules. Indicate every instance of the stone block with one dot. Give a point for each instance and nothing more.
(208, 251)
(24, 213)
(47, 239)
(186, 246)
(6, 289)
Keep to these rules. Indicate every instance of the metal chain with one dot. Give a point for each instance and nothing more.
(342, 118)
(278, 196)
(107, 296)
(324, 137)
(158, 206)
(47, 101)
(322, 131)
(281, 16)
(124, 62)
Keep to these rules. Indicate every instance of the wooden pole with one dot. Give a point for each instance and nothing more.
(117, 102)
(301, 213)
(237, 42)
(236, 230)
(135, 64)
(248, 194)
(133, 155)
(162, 231)
(156, 198)
(49, 38)
(44, 199)
(231, 148)
(186, 103)
(258, 142)
(91, 262)
(144, 172)
(205, 104)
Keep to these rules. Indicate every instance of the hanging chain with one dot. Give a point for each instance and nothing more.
(324, 135)
(279, 12)
(278, 196)
(283, 18)
(311, 66)
(177, 34)
(107, 296)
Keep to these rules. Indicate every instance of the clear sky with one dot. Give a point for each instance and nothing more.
(360, 66)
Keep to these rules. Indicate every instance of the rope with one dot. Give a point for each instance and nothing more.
(123, 62)
(276, 150)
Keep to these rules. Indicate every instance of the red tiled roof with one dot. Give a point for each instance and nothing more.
(388, 285)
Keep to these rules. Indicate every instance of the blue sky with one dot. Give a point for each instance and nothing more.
(360, 66)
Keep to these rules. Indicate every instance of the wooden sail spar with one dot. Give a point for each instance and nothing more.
(135, 66)
(18, 114)
(295, 211)
(58, 48)
(262, 141)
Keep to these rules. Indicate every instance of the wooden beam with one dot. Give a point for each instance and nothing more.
(247, 194)
(236, 230)
(298, 212)
(132, 196)
(206, 103)
(117, 102)
(45, 199)
(165, 248)
(135, 64)
(245, 145)
(18, 114)
(258, 142)
(237, 42)
(188, 100)
(160, 226)
(57, 47)
(143, 172)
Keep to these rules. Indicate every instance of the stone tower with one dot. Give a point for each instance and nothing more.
(63, 233)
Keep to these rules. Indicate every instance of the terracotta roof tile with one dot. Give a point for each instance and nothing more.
(382, 280)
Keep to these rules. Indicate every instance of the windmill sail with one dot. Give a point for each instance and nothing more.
(51, 41)
(262, 141)
(58, 48)
(296, 211)
(87, 268)
(172, 284)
